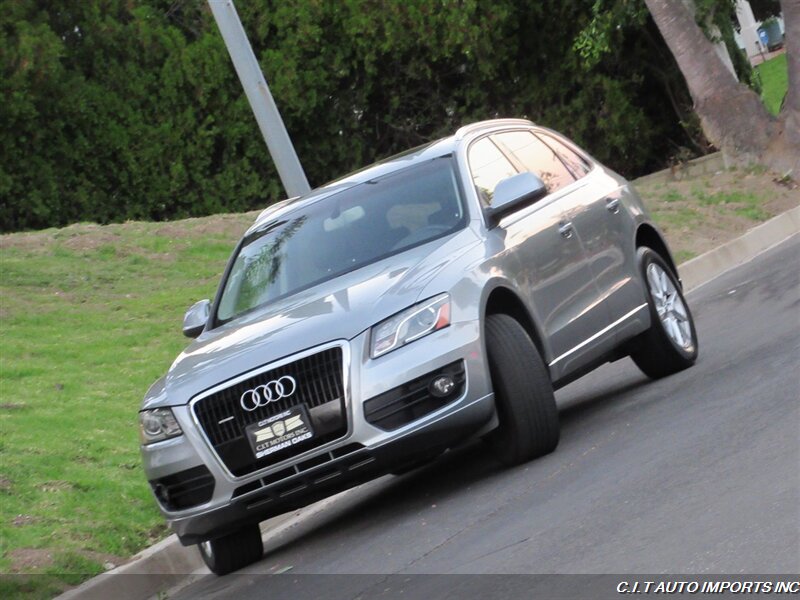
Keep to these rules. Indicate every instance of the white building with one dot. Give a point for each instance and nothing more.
(747, 39)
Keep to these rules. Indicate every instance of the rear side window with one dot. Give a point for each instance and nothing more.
(536, 157)
(489, 167)
(575, 162)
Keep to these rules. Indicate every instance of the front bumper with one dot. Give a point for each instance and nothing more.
(363, 453)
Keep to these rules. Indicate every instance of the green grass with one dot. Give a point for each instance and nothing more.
(676, 219)
(681, 256)
(681, 213)
(745, 204)
(84, 333)
(774, 82)
(672, 196)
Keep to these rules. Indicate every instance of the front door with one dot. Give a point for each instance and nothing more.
(545, 253)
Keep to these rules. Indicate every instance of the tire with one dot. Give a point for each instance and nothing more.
(670, 345)
(523, 394)
(232, 552)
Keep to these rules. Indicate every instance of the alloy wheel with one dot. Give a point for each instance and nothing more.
(669, 306)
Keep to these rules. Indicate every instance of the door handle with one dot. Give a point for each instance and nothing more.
(612, 204)
(565, 229)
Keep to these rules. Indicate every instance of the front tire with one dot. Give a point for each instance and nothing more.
(670, 345)
(523, 394)
(232, 552)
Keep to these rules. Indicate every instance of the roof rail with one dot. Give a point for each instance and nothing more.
(473, 127)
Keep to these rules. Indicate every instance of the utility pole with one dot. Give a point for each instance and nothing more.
(255, 87)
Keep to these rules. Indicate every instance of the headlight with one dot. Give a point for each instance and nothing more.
(409, 325)
(157, 424)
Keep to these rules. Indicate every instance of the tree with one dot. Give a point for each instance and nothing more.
(114, 110)
(732, 116)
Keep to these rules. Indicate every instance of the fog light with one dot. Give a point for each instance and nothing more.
(442, 386)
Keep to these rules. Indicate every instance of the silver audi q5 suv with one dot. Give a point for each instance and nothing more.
(432, 298)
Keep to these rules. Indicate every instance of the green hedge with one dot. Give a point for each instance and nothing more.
(117, 109)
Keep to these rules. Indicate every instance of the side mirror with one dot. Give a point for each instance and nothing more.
(195, 319)
(513, 193)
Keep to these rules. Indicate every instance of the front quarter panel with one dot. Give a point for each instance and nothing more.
(156, 395)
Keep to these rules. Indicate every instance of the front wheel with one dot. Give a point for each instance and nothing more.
(670, 345)
(523, 394)
(232, 552)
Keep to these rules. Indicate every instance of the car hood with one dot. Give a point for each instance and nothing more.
(337, 309)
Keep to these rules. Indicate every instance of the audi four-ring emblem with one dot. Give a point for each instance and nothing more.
(272, 391)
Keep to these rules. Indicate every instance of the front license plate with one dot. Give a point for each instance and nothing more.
(281, 431)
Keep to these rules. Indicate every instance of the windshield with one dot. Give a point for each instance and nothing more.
(343, 232)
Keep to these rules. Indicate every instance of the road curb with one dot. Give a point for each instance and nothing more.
(166, 563)
(160, 566)
(713, 263)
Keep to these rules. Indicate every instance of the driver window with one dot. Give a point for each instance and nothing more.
(489, 167)
(536, 157)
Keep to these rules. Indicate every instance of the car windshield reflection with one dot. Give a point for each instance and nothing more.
(348, 230)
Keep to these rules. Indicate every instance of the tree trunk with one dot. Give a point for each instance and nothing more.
(733, 117)
(784, 152)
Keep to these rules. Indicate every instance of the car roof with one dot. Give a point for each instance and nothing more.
(417, 155)
(403, 160)
(482, 126)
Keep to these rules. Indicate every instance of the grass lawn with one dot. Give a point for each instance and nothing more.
(91, 315)
(774, 82)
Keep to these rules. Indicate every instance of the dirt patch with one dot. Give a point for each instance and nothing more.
(35, 242)
(700, 213)
(159, 532)
(109, 561)
(35, 560)
(30, 560)
(77, 237)
(55, 486)
(230, 225)
(87, 237)
(23, 520)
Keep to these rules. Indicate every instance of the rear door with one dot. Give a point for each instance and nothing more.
(605, 230)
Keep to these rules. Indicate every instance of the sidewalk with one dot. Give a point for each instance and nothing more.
(765, 56)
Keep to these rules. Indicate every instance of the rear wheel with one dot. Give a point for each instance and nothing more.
(234, 551)
(670, 345)
(523, 394)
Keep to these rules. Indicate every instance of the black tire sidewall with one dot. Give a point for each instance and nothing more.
(523, 393)
(209, 560)
(234, 551)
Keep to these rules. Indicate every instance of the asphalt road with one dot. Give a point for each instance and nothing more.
(696, 473)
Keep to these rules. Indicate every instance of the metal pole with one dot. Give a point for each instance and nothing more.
(255, 86)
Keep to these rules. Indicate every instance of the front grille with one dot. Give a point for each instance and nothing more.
(320, 387)
(184, 489)
(413, 400)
